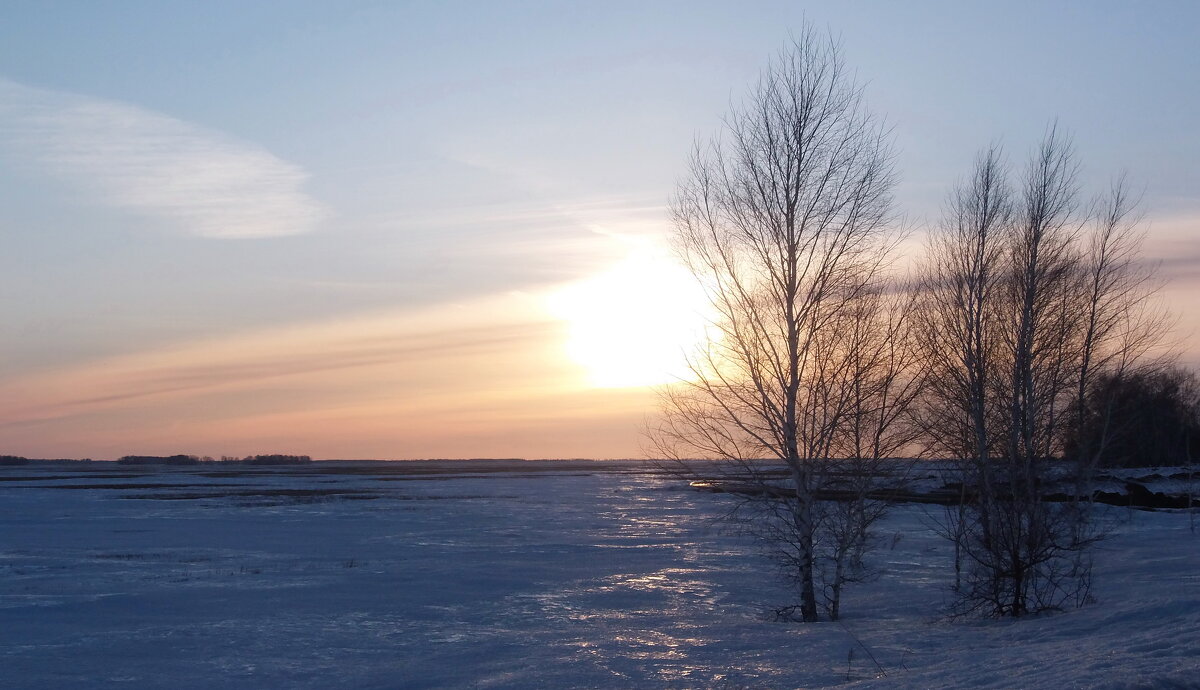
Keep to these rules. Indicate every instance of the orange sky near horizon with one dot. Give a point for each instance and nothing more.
(414, 230)
(503, 376)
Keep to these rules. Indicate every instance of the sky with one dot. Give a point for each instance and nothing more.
(437, 229)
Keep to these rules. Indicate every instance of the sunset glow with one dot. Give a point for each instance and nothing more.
(635, 323)
(599, 344)
(406, 230)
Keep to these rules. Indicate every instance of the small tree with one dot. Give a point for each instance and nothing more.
(880, 380)
(785, 222)
(1029, 298)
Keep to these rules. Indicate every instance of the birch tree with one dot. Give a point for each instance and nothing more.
(1030, 297)
(784, 219)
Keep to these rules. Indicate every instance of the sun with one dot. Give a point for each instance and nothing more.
(635, 323)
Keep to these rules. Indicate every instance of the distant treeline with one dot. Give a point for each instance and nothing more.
(18, 460)
(176, 460)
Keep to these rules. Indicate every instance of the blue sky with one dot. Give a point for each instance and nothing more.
(181, 178)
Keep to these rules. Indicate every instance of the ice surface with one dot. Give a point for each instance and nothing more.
(517, 575)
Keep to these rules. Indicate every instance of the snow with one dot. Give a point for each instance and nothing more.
(570, 574)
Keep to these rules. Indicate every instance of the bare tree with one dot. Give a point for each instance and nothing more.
(785, 221)
(957, 332)
(1028, 297)
(880, 382)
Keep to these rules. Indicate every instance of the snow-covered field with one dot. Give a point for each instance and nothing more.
(516, 575)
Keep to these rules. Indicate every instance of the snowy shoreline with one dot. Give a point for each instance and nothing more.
(550, 574)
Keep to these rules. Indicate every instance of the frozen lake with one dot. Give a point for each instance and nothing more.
(571, 574)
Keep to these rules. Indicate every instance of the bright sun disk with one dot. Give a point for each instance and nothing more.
(635, 323)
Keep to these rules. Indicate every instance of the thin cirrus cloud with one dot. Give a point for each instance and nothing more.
(444, 348)
(462, 380)
(184, 176)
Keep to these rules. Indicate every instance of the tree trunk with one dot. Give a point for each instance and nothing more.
(804, 532)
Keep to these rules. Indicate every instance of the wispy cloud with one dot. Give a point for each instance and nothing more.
(1171, 244)
(398, 346)
(188, 177)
